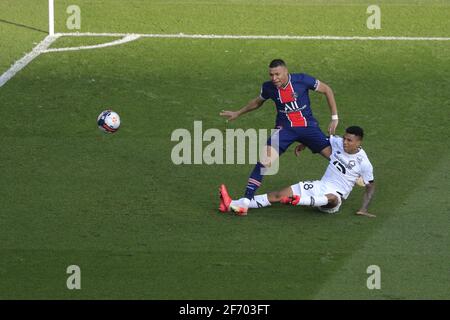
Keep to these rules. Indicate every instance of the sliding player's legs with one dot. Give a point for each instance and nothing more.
(306, 193)
(263, 200)
(277, 196)
(315, 194)
(312, 137)
(277, 144)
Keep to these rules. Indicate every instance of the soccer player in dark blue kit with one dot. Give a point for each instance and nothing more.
(294, 121)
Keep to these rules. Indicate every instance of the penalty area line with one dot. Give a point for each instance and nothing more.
(125, 39)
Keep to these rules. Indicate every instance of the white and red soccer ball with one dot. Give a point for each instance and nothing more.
(108, 121)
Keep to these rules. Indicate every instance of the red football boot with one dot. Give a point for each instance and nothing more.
(294, 200)
(225, 199)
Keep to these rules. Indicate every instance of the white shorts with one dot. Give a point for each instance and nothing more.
(317, 188)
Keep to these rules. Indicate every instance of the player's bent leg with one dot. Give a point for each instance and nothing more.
(307, 193)
(332, 201)
(334, 204)
(293, 197)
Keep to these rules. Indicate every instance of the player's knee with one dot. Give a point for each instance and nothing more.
(332, 200)
(269, 156)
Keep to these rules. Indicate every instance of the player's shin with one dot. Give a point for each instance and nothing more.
(254, 182)
(259, 201)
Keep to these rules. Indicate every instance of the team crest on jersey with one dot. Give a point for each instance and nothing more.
(352, 163)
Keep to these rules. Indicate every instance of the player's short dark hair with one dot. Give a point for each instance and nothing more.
(277, 63)
(357, 131)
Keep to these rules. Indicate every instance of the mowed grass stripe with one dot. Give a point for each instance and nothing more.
(142, 227)
(187, 249)
(253, 17)
(410, 247)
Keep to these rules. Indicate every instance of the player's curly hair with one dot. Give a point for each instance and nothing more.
(357, 131)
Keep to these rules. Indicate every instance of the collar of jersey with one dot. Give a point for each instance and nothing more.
(351, 154)
(289, 81)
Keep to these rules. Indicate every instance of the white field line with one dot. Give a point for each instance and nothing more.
(261, 37)
(22, 63)
(125, 39)
(42, 47)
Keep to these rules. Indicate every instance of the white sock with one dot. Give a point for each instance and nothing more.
(313, 201)
(259, 201)
(242, 202)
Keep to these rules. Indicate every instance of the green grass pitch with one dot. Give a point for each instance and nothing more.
(141, 227)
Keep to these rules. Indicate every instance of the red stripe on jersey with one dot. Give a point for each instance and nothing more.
(286, 94)
(297, 119)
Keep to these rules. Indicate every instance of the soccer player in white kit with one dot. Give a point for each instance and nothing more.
(348, 162)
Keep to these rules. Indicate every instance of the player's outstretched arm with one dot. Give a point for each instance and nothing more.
(368, 194)
(251, 105)
(325, 89)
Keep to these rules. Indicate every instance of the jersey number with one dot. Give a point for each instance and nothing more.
(339, 166)
(308, 186)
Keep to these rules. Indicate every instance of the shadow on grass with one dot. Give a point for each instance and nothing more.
(22, 26)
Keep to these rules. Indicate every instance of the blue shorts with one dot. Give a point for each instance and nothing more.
(312, 137)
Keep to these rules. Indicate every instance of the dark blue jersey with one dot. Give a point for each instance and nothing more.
(292, 100)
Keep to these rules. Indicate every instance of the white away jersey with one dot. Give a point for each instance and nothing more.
(344, 169)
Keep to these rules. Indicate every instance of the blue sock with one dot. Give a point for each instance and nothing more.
(254, 182)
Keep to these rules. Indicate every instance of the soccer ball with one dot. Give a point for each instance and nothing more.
(108, 121)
